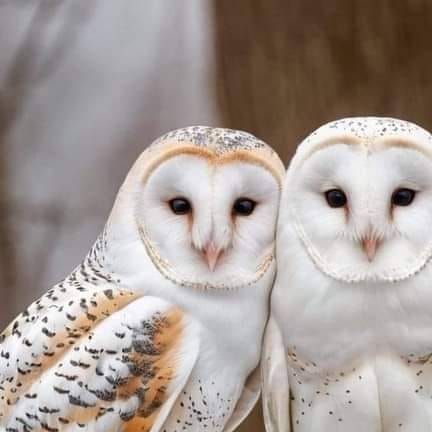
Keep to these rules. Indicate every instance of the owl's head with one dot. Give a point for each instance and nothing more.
(203, 203)
(359, 194)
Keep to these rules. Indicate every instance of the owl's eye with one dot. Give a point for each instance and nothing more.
(180, 206)
(336, 198)
(403, 197)
(244, 206)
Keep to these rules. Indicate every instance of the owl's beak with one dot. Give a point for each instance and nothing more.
(212, 254)
(370, 245)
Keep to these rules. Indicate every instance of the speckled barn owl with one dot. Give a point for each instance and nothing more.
(160, 327)
(348, 346)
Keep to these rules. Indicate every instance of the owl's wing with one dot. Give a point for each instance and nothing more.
(247, 401)
(103, 361)
(275, 387)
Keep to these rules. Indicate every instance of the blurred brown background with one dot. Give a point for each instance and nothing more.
(86, 85)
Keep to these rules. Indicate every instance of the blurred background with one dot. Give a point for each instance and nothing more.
(85, 86)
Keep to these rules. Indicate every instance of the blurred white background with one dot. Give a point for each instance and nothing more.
(85, 87)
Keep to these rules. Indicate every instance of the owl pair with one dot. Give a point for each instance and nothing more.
(160, 328)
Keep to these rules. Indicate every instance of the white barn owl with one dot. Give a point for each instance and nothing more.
(160, 327)
(349, 342)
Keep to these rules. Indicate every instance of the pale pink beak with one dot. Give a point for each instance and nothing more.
(370, 246)
(212, 256)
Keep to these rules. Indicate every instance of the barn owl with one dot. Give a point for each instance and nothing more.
(349, 341)
(160, 327)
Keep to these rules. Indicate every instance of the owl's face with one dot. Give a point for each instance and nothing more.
(364, 212)
(209, 221)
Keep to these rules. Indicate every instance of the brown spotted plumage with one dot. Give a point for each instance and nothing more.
(130, 340)
(65, 363)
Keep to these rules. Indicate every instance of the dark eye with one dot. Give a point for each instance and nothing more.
(244, 206)
(336, 198)
(403, 197)
(180, 206)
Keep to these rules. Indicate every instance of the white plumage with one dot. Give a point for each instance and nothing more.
(349, 340)
(160, 327)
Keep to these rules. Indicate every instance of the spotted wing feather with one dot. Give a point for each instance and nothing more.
(106, 361)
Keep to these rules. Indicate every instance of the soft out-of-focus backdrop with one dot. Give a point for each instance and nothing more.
(85, 86)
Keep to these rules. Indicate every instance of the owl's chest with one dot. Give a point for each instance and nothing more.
(206, 402)
(380, 393)
(231, 322)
